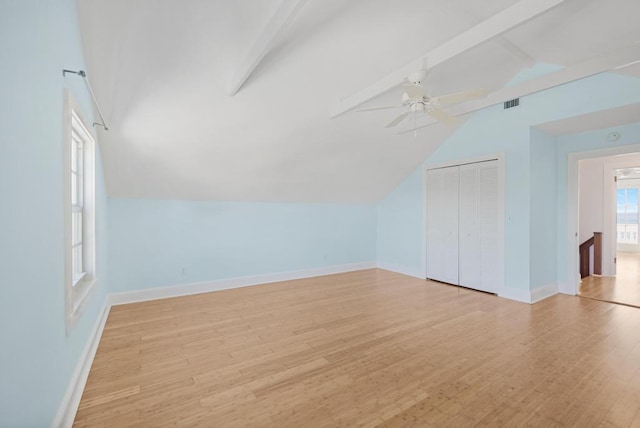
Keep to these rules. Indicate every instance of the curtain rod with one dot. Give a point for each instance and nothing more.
(95, 102)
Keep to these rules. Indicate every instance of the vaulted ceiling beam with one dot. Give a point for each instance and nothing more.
(283, 16)
(502, 41)
(499, 23)
(611, 61)
(516, 52)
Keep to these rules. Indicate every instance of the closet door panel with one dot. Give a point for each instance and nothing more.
(450, 219)
(469, 263)
(488, 221)
(442, 224)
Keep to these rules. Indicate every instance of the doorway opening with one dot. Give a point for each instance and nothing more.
(609, 209)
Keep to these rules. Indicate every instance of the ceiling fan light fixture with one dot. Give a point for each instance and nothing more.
(415, 99)
(417, 77)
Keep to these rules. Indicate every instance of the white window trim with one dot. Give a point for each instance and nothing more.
(630, 247)
(76, 294)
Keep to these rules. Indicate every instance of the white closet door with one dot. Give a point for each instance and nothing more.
(442, 224)
(469, 268)
(488, 222)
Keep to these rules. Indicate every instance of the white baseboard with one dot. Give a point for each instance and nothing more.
(541, 293)
(565, 288)
(526, 295)
(404, 270)
(225, 284)
(71, 400)
(518, 294)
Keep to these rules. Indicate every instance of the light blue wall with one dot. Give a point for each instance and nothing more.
(490, 131)
(37, 40)
(151, 241)
(543, 230)
(400, 240)
(582, 142)
(493, 131)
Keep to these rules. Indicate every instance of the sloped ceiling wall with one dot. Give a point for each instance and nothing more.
(160, 70)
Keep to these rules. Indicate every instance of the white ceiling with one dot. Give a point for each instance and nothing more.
(160, 70)
(602, 119)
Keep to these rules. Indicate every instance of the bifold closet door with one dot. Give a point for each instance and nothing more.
(442, 224)
(469, 227)
(479, 226)
(488, 202)
(462, 225)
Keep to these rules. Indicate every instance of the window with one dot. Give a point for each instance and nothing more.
(627, 215)
(79, 165)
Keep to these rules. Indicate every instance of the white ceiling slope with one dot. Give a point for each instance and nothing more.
(602, 119)
(162, 71)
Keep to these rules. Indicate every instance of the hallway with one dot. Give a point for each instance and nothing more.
(623, 288)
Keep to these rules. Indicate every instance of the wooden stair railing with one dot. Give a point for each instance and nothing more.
(596, 241)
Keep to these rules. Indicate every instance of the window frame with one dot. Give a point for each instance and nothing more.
(78, 287)
(627, 240)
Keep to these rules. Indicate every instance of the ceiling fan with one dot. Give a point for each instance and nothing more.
(416, 101)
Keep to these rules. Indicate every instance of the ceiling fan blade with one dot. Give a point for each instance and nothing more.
(398, 119)
(459, 97)
(414, 91)
(443, 116)
(378, 108)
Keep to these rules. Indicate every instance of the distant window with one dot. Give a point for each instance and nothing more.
(79, 154)
(627, 215)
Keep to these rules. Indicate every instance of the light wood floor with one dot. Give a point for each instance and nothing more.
(623, 288)
(365, 348)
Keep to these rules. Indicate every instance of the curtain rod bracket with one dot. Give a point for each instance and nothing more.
(83, 74)
(79, 73)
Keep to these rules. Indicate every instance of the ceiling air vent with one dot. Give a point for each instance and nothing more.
(512, 103)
